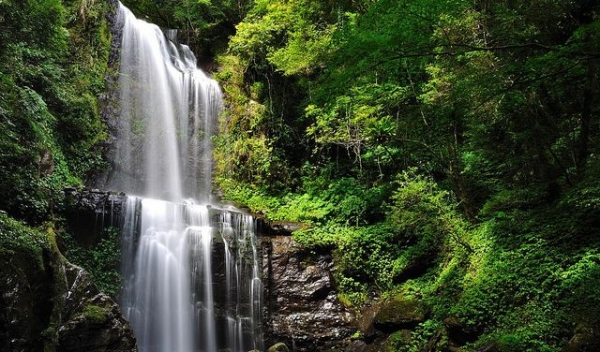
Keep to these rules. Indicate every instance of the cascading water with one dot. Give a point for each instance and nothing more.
(191, 269)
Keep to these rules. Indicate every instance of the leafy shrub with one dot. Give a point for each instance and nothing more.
(101, 260)
(16, 239)
(53, 59)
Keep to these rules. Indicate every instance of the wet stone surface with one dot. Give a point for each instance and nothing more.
(301, 305)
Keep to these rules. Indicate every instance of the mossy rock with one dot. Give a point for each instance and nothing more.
(400, 312)
(586, 338)
(95, 314)
(30, 281)
(278, 347)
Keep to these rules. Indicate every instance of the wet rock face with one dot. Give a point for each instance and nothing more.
(89, 212)
(108, 101)
(26, 302)
(92, 321)
(54, 306)
(301, 305)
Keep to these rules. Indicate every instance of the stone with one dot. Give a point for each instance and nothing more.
(280, 228)
(90, 212)
(278, 347)
(46, 164)
(585, 338)
(363, 346)
(399, 312)
(365, 323)
(458, 333)
(92, 321)
(301, 304)
(491, 346)
(397, 341)
(28, 301)
(48, 304)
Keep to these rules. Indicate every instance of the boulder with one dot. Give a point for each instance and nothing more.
(399, 312)
(586, 338)
(458, 333)
(92, 321)
(30, 299)
(50, 305)
(278, 347)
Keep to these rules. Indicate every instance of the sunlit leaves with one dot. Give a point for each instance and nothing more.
(293, 36)
(361, 118)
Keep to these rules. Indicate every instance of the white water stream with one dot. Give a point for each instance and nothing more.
(191, 269)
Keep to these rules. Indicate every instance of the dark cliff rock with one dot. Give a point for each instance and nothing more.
(92, 321)
(47, 304)
(108, 101)
(28, 299)
(301, 305)
(89, 212)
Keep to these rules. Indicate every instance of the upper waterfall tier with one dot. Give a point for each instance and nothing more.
(168, 109)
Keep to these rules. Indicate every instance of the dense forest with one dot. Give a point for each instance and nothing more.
(445, 151)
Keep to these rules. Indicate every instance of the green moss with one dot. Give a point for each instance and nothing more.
(401, 310)
(95, 314)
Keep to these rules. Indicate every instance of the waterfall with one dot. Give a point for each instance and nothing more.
(168, 106)
(191, 268)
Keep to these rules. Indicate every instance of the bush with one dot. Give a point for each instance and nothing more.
(101, 260)
(16, 239)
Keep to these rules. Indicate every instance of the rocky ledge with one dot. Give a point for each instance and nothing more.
(50, 305)
(301, 305)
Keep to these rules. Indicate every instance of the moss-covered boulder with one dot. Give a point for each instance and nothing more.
(278, 347)
(399, 312)
(92, 321)
(586, 338)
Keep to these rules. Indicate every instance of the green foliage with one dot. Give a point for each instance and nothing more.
(579, 282)
(101, 260)
(381, 125)
(303, 26)
(367, 255)
(419, 222)
(412, 340)
(361, 122)
(16, 239)
(48, 106)
(490, 106)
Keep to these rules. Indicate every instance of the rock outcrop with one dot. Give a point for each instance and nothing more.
(90, 212)
(92, 321)
(301, 306)
(50, 305)
(29, 301)
(55, 307)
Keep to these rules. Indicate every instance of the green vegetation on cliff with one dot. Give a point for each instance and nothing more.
(445, 150)
(53, 61)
